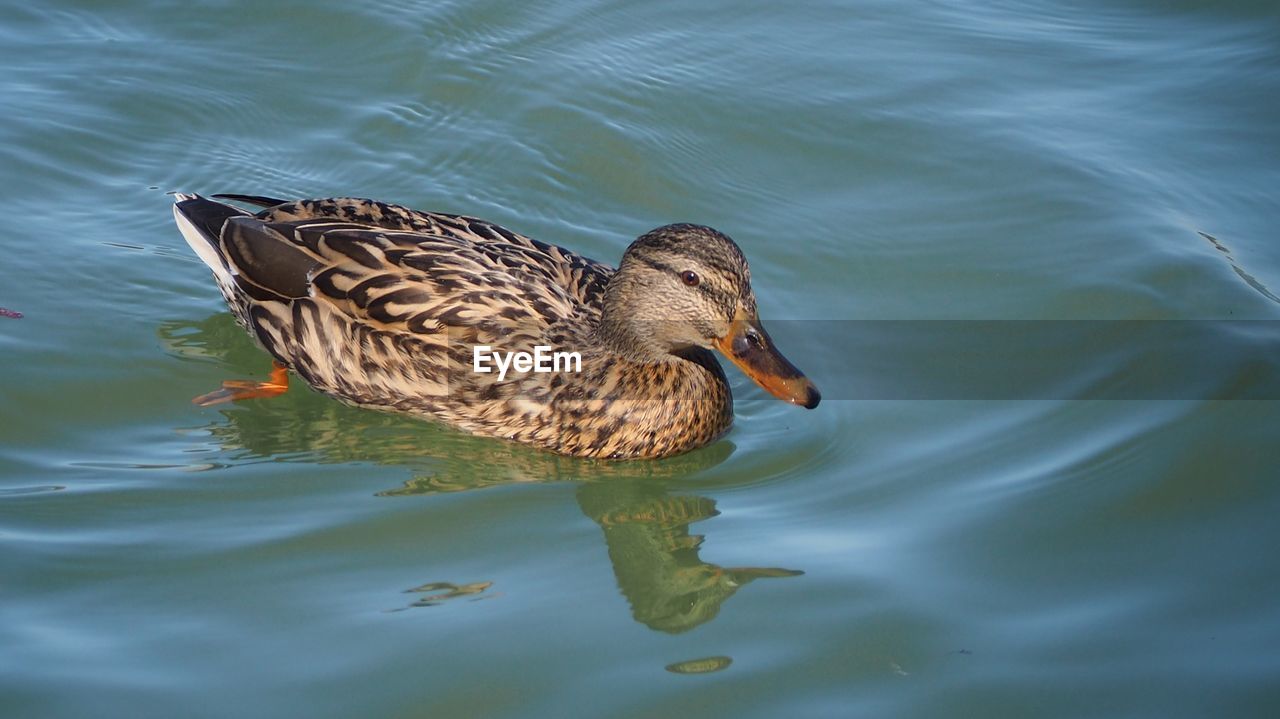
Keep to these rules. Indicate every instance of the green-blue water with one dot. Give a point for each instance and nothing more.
(1051, 556)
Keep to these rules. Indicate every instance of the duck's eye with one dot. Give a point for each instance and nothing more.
(689, 277)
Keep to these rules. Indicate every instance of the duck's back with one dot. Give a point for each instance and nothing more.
(487, 247)
(353, 293)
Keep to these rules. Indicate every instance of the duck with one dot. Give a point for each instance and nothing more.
(401, 310)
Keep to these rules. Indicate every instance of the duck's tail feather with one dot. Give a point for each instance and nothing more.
(258, 200)
(201, 221)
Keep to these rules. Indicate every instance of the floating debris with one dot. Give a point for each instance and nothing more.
(706, 665)
(10, 314)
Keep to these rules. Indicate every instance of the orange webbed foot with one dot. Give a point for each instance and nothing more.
(234, 390)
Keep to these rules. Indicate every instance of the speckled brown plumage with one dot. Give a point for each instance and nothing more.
(380, 306)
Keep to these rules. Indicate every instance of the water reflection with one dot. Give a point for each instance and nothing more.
(655, 558)
(705, 665)
(436, 593)
(645, 522)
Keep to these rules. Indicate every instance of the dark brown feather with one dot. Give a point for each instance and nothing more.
(264, 257)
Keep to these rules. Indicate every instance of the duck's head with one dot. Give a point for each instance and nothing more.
(682, 286)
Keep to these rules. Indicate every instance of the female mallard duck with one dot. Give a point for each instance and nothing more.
(395, 309)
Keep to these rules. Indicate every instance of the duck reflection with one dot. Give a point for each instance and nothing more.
(646, 525)
(655, 558)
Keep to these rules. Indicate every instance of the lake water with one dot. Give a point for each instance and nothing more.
(1071, 515)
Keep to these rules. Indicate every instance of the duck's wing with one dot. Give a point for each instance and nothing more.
(409, 279)
(583, 278)
(423, 283)
(377, 315)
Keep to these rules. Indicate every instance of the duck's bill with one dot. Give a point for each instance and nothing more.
(750, 347)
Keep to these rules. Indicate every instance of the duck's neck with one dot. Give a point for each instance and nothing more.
(629, 342)
(622, 334)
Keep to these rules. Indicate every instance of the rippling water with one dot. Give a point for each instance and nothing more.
(1080, 548)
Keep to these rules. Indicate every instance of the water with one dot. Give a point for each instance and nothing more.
(1059, 553)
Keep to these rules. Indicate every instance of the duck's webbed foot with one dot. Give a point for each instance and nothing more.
(234, 390)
